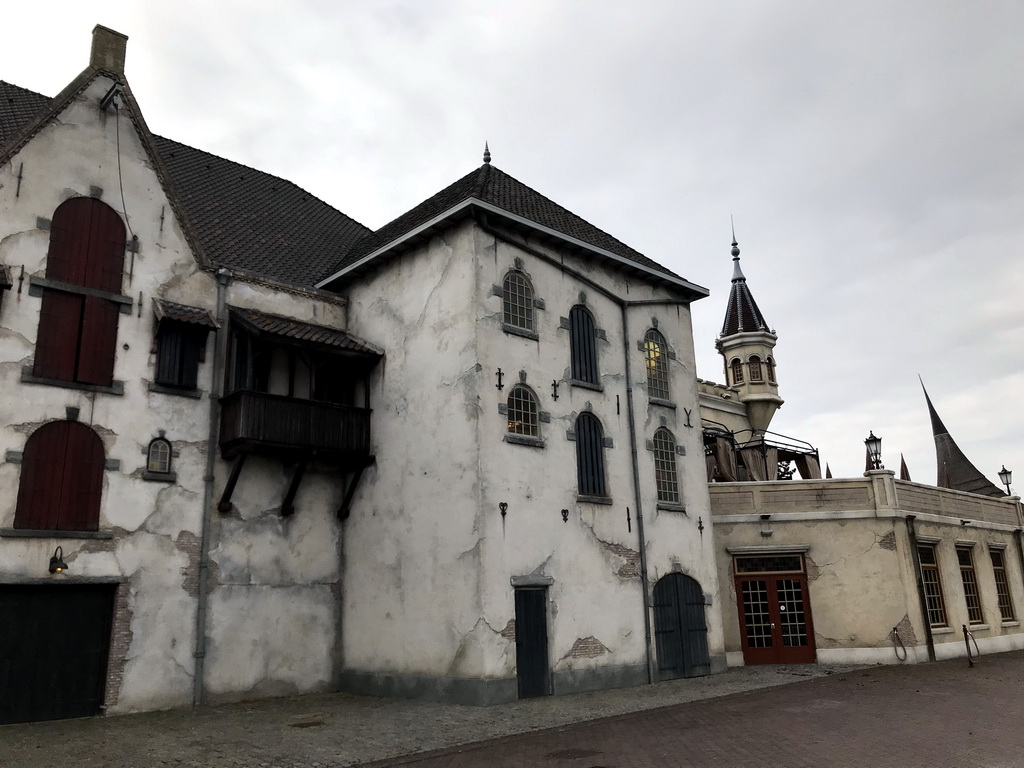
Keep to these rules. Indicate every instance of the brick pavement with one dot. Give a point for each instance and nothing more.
(928, 715)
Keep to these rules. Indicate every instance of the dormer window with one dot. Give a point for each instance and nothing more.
(737, 371)
(754, 364)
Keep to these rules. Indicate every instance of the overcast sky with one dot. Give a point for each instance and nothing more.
(872, 154)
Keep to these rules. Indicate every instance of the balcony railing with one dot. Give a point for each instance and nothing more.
(265, 423)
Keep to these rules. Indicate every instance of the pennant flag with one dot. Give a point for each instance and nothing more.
(828, 471)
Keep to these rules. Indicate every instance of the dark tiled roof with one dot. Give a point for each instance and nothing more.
(17, 107)
(243, 218)
(741, 313)
(304, 332)
(168, 310)
(491, 185)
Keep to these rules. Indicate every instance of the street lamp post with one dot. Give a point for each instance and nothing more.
(1005, 475)
(874, 446)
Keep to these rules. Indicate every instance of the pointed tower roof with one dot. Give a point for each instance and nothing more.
(955, 470)
(741, 313)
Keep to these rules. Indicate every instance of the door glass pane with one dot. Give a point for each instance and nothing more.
(755, 614)
(791, 613)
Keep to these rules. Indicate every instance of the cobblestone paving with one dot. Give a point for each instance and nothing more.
(338, 729)
(926, 715)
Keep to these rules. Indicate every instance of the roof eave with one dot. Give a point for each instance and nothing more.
(693, 290)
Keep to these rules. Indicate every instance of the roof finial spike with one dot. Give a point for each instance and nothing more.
(735, 245)
(487, 154)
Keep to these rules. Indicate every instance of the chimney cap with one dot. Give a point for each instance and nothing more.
(108, 49)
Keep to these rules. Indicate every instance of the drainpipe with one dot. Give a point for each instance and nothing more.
(637, 497)
(912, 534)
(624, 305)
(216, 386)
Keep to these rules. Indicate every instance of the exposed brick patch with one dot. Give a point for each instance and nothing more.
(189, 544)
(631, 568)
(888, 541)
(120, 642)
(906, 632)
(587, 648)
(509, 632)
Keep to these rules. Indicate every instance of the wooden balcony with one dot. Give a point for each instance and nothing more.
(292, 428)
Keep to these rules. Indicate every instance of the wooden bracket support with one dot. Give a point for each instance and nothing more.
(224, 505)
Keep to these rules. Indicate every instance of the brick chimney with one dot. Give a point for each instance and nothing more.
(108, 48)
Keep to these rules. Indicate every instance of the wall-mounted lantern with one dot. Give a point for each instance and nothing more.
(57, 564)
(874, 446)
(1005, 475)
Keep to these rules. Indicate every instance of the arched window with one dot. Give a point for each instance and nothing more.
(522, 412)
(517, 301)
(665, 466)
(583, 345)
(78, 317)
(770, 365)
(754, 364)
(590, 456)
(159, 456)
(61, 479)
(656, 354)
(737, 371)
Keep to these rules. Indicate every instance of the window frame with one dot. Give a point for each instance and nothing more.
(754, 369)
(969, 579)
(666, 474)
(656, 359)
(518, 307)
(737, 371)
(769, 364)
(583, 357)
(532, 414)
(183, 372)
(1004, 598)
(931, 581)
(591, 476)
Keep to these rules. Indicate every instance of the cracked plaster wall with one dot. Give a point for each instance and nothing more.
(428, 555)
(156, 526)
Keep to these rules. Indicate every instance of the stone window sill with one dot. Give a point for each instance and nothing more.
(586, 385)
(27, 377)
(662, 403)
(31, 533)
(972, 627)
(1011, 623)
(181, 392)
(533, 442)
(942, 630)
(160, 477)
(666, 507)
(524, 332)
(585, 499)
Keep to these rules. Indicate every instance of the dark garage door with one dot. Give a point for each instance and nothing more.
(53, 650)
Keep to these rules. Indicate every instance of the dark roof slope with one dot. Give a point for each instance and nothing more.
(17, 107)
(955, 470)
(491, 185)
(741, 313)
(243, 218)
(308, 333)
(251, 220)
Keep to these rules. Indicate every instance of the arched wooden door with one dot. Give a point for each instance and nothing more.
(680, 629)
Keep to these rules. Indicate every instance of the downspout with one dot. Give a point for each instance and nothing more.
(641, 540)
(912, 534)
(624, 305)
(216, 387)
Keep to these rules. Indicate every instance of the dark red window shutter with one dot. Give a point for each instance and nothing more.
(98, 342)
(105, 265)
(60, 320)
(61, 479)
(82, 484)
(69, 240)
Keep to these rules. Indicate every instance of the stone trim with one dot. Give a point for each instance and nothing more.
(194, 393)
(531, 580)
(32, 533)
(159, 477)
(27, 377)
(533, 442)
(513, 330)
(585, 499)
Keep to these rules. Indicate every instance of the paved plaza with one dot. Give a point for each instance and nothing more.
(943, 714)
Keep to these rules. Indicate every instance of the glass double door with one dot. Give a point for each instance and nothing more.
(775, 618)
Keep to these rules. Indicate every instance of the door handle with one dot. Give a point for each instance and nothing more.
(773, 625)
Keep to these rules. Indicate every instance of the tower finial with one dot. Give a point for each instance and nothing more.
(735, 245)
(487, 154)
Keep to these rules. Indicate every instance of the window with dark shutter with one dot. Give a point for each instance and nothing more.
(590, 456)
(77, 334)
(583, 345)
(179, 351)
(61, 479)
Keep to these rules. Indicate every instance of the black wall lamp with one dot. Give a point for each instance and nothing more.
(57, 564)
(874, 446)
(1005, 476)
